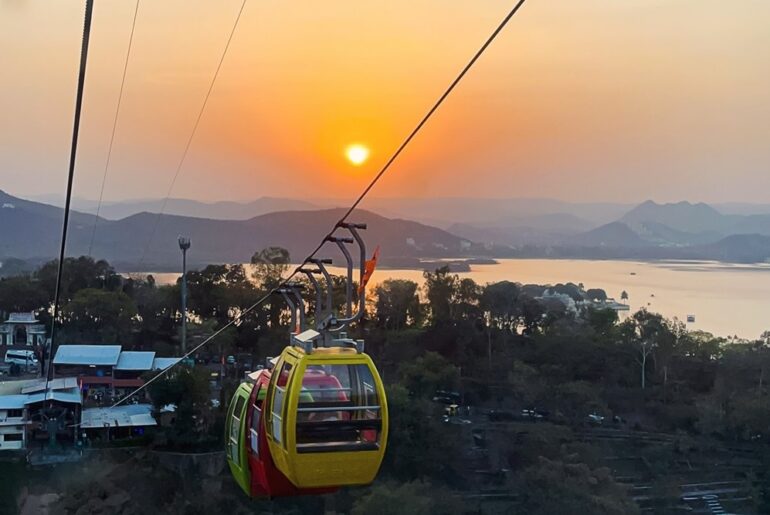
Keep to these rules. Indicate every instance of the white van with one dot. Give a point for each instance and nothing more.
(21, 357)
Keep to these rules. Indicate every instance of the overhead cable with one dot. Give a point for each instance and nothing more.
(347, 213)
(186, 150)
(70, 180)
(114, 127)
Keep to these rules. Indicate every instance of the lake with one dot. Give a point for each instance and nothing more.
(726, 299)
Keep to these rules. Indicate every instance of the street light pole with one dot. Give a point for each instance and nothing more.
(184, 245)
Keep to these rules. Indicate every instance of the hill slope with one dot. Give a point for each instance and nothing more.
(32, 230)
(681, 216)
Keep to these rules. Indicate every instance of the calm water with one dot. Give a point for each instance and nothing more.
(726, 299)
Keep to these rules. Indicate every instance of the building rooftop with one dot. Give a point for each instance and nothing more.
(135, 360)
(69, 396)
(22, 318)
(60, 383)
(16, 386)
(12, 401)
(104, 355)
(164, 363)
(131, 415)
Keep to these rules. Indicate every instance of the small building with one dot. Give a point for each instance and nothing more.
(30, 410)
(13, 413)
(126, 421)
(91, 363)
(22, 330)
(107, 370)
(127, 374)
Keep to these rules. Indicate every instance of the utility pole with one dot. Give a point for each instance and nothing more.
(184, 245)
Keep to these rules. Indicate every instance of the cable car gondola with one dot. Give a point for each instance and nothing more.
(248, 454)
(332, 434)
(318, 420)
(326, 424)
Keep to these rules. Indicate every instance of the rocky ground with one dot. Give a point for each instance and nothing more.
(138, 482)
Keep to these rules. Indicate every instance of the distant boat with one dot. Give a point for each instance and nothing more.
(633, 273)
(690, 319)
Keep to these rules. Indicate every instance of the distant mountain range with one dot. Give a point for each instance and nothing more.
(31, 230)
(222, 210)
(231, 231)
(441, 211)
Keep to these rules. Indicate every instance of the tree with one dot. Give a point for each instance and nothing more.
(576, 399)
(104, 316)
(669, 344)
(532, 312)
(11, 267)
(419, 445)
(270, 265)
(596, 294)
(428, 373)
(500, 302)
(467, 299)
(624, 295)
(526, 384)
(78, 274)
(602, 321)
(570, 289)
(416, 497)
(398, 304)
(219, 291)
(157, 307)
(645, 331)
(441, 291)
(552, 486)
(20, 294)
(188, 390)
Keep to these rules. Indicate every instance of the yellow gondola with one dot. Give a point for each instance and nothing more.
(338, 438)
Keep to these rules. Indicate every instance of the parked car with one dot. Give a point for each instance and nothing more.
(21, 357)
(532, 414)
(595, 419)
(231, 360)
(445, 397)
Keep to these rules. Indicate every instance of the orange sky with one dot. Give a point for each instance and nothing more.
(590, 100)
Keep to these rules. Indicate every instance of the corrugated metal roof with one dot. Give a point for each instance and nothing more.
(15, 387)
(164, 363)
(12, 401)
(103, 355)
(60, 383)
(131, 415)
(135, 360)
(69, 396)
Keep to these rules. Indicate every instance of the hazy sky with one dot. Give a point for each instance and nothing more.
(580, 100)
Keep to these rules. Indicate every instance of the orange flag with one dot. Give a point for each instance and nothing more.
(369, 267)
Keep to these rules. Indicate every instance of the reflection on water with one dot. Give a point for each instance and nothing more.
(726, 299)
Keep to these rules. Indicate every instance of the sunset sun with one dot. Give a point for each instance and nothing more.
(357, 154)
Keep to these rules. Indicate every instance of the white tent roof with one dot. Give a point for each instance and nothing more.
(135, 360)
(104, 355)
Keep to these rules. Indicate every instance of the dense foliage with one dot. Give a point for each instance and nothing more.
(505, 346)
